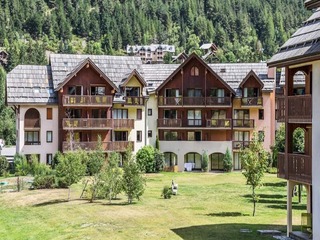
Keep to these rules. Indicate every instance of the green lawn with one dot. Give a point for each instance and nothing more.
(208, 206)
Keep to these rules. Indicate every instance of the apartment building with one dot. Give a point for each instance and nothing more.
(191, 107)
(300, 60)
(153, 53)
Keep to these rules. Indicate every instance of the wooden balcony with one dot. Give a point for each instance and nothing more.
(138, 101)
(87, 100)
(87, 123)
(298, 168)
(123, 123)
(194, 101)
(300, 109)
(116, 146)
(96, 123)
(238, 145)
(219, 123)
(166, 122)
(280, 109)
(252, 101)
(32, 123)
(243, 123)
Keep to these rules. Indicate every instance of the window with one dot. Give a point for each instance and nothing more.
(149, 112)
(171, 114)
(75, 90)
(103, 113)
(216, 92)
(74, 113)
(170, 136)
(172, 92)
(98, 90)
(31, 138)
(194, 117)
(218, 114)
(139, 114)
(191, 136)
(132, 91)
(49, 136)
(241, 114)
(241, 139)
(261, 114)
(95, 113)
(150, 133)
(170, 159)
(121, 136)
(194, 71)
(261, 136)
(194, 136)
(194, 93)
(139, 136)
(49, 159)
(49, 113)
(120, 113)
(250, 92)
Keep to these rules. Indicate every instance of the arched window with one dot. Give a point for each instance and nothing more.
(194, 71)
(32, 127)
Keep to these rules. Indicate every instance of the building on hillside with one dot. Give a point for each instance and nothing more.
(191, 107)
(3, 57)
(153, 53)
(209, 49)
(300, 59)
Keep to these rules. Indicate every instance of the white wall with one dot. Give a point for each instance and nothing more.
(45, 125)
(316, 150)
(152, 120)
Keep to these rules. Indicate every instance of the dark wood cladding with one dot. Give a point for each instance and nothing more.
(300, 108)
(243, 123)
(194, 101)
(298, 167)
(134, 101)
(251, 101)
(87, 100)
(32, 123)
(120, 146)
(240, 144)
(165, 122)
(218, 123)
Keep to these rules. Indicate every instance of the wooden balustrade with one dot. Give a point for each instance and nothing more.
(166, 122)
(240, 144)
(118, 146)
(243, 123)
(134, 100)
(280, 109)
(123, 123)
(97, 123)
(32, 123)
(218, 101)
(300, 108)
(251, 101)
(87, 100)
(194, 101)
(219, 123)
(282, 167)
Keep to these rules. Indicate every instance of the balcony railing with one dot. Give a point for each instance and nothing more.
(243, 123)
(251, 101)
(298, 167)
(32, 123)
(300, 108)
(134, 100)
(97, 123)
(87, 123)
(87, 100)
(240, 144)
(118, 146)
(280, 110)
(194, 101)
(166, 122)
(219, 123)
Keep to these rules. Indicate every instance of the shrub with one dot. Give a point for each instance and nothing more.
(22, 167)
(166, 192)
(145, 159)
(272, 170)
(159, 160)
(44, 181)
(3, 165)
(204, 162)
(227, 161)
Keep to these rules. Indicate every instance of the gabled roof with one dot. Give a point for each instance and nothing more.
(303, 46)
(138, 76)
(28, 84)
(311, 4)
(181, 55)
(251, 74)
(193, 55)
(81, 65)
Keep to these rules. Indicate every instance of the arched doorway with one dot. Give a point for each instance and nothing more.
(32, 127)
(171, 162)
(192, 161)
(216, 160)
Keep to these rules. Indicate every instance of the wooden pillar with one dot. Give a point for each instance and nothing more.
(308, 190)
(290, 186)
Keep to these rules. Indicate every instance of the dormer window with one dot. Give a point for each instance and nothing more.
(98, 90)
(132, 91)
(194, 71)
(250, 92)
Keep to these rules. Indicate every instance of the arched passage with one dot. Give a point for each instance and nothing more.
(192, 161)
(216, 161)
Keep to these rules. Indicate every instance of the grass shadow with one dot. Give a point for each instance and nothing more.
(277, 184)
(52, 202)
(227, 214)
(269, 196)
(284, 206)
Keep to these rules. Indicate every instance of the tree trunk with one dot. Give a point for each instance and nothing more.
(254, 202)
(69, 190)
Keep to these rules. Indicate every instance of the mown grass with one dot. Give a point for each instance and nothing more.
(208, 206)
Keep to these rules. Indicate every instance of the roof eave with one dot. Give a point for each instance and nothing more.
(294, 61)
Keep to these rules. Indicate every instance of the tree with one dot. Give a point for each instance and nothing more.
(227, 161)
(254, 160)
(3, 165)
(133, 181)
(204, 162)
(145, 159)
(96, 159)
(158, 160)
(70, 169)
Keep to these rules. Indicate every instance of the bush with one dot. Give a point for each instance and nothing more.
(145, 159)
(3, 165)
(159, 160)
(62, 182)
(22, 167)
(204, 162)
(272, 170)
(166, 192)
(44, 181)
(227, 161)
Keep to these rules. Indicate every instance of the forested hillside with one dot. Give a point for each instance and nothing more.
(243, 30)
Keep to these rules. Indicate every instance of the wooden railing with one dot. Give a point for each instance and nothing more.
(298, 167)
(166, 122)
(300, 108)
(280, 109)
(32, 123)
(97, 123)
(134, 100)
(243, 123)
(87, 100)
(219, 123)
(194, 101)
(240, 144)
(118, 146)
(251, 101)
